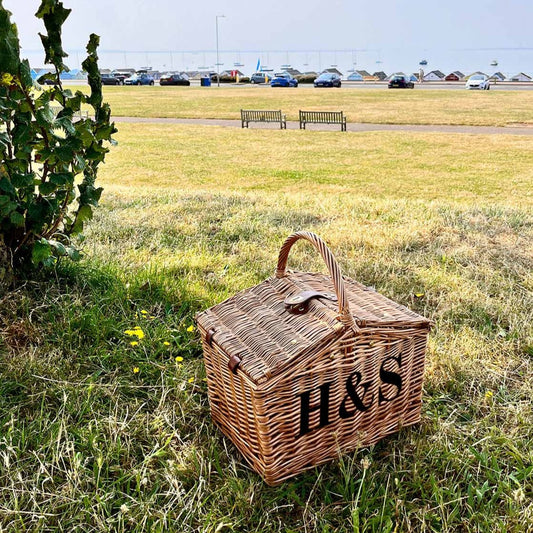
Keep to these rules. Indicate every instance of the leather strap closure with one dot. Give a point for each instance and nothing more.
(298, 304)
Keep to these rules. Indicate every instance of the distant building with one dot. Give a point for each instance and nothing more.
(395, 74)
(521, 76)
(456, 75)
(364, 73)
(478, 72)
(380, 75)
(497, 76)
(434, 75)
(333, 71)
(231, 73)
(355, 76)
(293, 72)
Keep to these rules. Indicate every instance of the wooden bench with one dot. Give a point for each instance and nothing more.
(264, 115)
(322, 117)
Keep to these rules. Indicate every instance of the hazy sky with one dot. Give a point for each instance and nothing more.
(383, 34)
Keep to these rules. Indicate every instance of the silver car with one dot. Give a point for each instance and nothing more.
(478, 81)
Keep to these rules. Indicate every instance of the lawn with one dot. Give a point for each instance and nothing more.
(483, 108)
(99, 434)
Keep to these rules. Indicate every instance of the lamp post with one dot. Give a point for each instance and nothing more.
(218, 62)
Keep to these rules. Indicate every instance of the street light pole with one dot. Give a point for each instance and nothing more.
(218, 62)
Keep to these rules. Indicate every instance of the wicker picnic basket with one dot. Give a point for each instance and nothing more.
(304, 367)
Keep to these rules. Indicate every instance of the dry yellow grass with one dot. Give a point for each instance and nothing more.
(467, 169)
(488, 108)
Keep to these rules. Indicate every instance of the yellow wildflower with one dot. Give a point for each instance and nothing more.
(179, 359)
(190, 328)
(134, 343)
(489, 394)
(135, 332)
(136, 369)
(190, 380)
(166, 343)
(7, 79)
(144, 312)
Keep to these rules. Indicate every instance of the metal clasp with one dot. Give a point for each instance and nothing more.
(298, 304)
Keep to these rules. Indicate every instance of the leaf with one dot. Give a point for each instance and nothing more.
(17, 219)
(23, 180)
(73, 253)
(62, 178)
(84, 213)
(47, 188)
(57, 247)
(7, 186)
(25, 73)
(54, 15)
(9, 43)
(41, 251)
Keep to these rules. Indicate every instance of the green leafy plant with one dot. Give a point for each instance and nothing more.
(50, 152)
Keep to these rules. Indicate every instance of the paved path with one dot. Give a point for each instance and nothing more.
(351, 126)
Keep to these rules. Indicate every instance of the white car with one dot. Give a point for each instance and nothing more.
(478, 81)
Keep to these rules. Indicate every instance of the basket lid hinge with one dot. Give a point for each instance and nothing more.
(234, 360)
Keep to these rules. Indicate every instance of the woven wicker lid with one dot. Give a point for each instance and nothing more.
(256, 326)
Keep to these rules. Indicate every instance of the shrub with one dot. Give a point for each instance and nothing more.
(306, 78)
(49, 153)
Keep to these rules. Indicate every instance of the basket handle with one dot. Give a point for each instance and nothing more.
(334, 270)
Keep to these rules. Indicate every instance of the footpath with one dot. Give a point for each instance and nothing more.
(351, 126)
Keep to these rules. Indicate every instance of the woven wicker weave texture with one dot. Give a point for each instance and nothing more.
(338, 362)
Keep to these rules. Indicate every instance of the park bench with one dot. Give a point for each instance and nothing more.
(263, 115)
(322, 117)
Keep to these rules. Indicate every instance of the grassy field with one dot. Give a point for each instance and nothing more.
(484, 108)
(99, 434)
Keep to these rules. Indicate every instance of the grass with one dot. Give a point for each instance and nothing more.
(192, 214)
(484, 108)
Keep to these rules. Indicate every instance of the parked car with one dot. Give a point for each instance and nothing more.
(400, 81)
(109, 79)
(283, 79)
(139, 79)
(121, 76)
(328, 79)
(174, 79)
(259, 77)
(478, 81)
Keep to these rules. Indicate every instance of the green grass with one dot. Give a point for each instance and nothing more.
(484, 108)
(192, 214)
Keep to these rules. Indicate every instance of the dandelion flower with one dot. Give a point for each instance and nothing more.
(190, 328)
(144, 312)
(136, 370)
(134, 343)
(166, 343)
(179, 359)
(190, 380)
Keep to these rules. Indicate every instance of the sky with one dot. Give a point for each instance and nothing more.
(389, 35)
